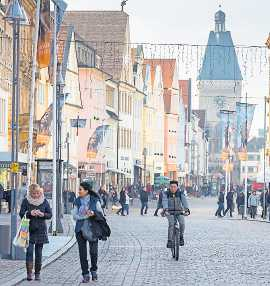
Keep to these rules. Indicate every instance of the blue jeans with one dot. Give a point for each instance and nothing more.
(220, 209)
(144, 208)
(126, 208)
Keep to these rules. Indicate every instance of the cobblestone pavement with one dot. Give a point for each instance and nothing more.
(10, 269)
(217, 252)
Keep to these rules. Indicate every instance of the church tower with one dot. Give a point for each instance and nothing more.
(219, 84)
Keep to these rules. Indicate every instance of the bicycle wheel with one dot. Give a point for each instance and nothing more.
(176, 244)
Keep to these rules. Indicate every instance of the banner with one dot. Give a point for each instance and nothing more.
(243, 113)
(96, 140)
(44, 37)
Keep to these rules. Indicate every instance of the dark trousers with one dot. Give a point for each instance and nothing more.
(253, 211)
(144, 208)
(82, 243)
(229, 208)
(38, 253)
(157, 209)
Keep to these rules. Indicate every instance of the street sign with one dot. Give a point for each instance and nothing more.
(15, 167)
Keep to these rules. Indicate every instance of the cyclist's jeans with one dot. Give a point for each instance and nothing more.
(181, 221)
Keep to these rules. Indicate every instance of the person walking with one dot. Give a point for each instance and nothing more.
(267, 199)
(37, 209)
(220, 209)
(126, 205)
(229, 199)
(2, 192)
(86, 206)
(104, 198)
(159, 203)
(241, 203)
(122, 202)
(253, 202)
(144, 201)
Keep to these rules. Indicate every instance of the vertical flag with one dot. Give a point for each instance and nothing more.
(44, 38)
(241, 113)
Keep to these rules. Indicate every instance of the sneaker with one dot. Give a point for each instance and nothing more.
(181, 242)
(94, 276)
(169, 244)
(86, 278)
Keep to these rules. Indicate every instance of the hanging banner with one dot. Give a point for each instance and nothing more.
(96, 141)
(44, 37)
(243, 113)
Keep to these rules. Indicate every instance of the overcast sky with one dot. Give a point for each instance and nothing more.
(189, 21)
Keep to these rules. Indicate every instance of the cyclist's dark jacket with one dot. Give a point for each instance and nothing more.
(177, 200)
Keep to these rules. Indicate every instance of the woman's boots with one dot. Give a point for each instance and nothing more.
(29, 269)
(37, 271)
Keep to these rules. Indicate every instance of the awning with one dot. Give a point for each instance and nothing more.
(112, 114)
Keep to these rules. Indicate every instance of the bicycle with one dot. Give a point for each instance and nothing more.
(176, 230)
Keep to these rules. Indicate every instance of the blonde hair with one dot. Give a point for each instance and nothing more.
(34, 187)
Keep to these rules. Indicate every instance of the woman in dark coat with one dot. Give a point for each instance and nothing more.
(38, 210)
(87, 205)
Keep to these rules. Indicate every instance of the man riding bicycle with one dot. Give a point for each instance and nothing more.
(175, 200)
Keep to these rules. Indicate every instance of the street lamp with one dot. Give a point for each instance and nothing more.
(15, 15)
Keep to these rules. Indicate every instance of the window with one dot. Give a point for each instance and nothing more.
(109, 96)
(90, 123)
(2, 116)
(40, 92)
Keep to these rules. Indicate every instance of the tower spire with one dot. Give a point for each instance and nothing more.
(220, 21)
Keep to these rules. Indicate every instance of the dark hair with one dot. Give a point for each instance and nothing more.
(87, 186)
(174, 182)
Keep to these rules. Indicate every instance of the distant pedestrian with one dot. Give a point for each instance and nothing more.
(229, 199)
(241, 203)
(253, 202)
(159, 203)
(87, 206)
(144, 201)
(126, 205)
(37, 209)
(2, 192)
(122, 202)
(104, 198)
(114, 198)
(220, 210)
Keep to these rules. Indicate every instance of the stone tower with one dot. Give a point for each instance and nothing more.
(219, 84)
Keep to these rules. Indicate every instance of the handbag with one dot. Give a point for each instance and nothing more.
(22, 237)
(87, 232)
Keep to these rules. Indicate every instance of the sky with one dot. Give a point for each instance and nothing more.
(182, 21)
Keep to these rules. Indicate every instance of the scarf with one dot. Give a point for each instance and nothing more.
(35, 202)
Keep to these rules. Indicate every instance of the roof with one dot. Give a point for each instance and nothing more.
(183, 90)
(168, 69)
(220, 60)
(105, 31)
(63, 46)
(201, 114)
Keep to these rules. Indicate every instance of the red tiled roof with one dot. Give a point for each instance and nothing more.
(183, 88)
(168, 69)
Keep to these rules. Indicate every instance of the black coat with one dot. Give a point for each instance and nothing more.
(100, 227)
(122, 197)
(38, 226)
(144, 196)
(221, 198)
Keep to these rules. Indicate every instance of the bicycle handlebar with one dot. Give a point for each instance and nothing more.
(177, 211)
